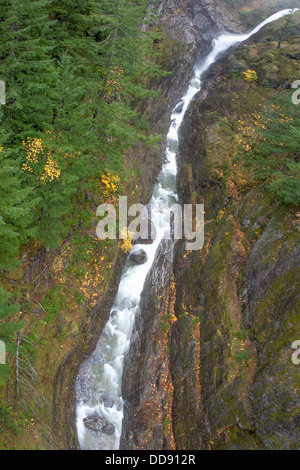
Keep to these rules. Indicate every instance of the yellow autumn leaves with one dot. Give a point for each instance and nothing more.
(250, 76)
(250, 127)
(35, 152)
(127, 240)
(109, 184)
(109, 187)
(114, 84)
(51, 171)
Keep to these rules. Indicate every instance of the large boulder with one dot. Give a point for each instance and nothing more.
(96, 423)
(139, 257)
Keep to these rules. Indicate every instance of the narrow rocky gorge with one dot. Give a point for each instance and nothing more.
(239, 294)
(185, 383)
(117, 343)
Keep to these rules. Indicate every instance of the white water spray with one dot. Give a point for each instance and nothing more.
(99, 381)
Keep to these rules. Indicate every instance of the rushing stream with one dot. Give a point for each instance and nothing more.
(99, 382)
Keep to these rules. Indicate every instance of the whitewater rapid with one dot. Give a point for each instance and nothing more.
(99, 382)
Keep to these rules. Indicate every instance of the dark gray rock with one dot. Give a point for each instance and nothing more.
(96, 423)
(108, 429)
(139, 257)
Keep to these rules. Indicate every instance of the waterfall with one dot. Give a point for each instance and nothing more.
(99, 382)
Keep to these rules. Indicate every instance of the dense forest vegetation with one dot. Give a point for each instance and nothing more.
(73, 70)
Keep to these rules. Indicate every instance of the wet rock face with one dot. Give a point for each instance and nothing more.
(147, 386)
(241, 288)
(189, 28)
(96, 423)
(195, 21)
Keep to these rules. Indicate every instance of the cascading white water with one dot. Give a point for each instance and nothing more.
(99, 381)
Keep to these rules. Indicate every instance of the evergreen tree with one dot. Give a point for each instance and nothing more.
(276, 154)
(26, 68)
(74, 70)
(16, 211)
(8, 330)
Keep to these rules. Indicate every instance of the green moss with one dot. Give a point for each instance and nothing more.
(54, 302)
